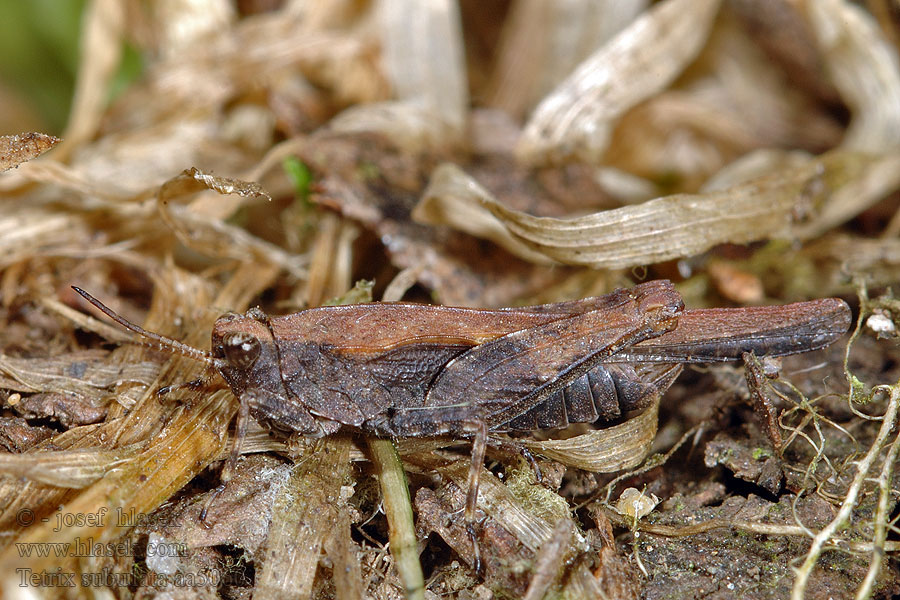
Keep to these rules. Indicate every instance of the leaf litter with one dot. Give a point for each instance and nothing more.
(690, 140)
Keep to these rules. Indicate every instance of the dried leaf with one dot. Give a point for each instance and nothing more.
(543, 41)
(671, 227)
(140, 484)
(498, 502)
(211, 235)
(865, 68)
(423, 56)
(16, 149)
(83, 374)
(412, 126)
(604, 450)
(73, 469)
(517, 528)
(17, 435)
(68, 410)
(499, 547)
(863, 184)
(452, 198)
(733, 100)
(754, 164)
(576, 120)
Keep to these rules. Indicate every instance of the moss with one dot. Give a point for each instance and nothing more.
(545, 503)
(761, 453)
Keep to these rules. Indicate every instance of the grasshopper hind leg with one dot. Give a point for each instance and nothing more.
(479, 447)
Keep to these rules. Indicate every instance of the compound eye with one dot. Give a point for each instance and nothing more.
(241, 349)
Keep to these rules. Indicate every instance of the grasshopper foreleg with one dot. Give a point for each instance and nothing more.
(194, 384)
(240, 432)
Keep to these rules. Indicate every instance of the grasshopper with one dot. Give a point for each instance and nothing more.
(413, 370)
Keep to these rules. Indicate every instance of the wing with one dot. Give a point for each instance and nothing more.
(504, 378)
(382, 326)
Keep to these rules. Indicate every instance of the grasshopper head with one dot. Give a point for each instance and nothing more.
(245, 355)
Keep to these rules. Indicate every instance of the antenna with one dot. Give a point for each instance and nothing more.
(165, 343)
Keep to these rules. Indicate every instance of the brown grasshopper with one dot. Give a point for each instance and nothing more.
(412, 370)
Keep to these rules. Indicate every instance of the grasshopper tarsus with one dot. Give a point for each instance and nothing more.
(477, 564)
(204, 512)
(533, 463)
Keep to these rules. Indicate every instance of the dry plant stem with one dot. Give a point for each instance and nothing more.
(635, 548)
(401, 283)
(340, 548)
(304, 517)
(103, 29)
(322, 259)
(750, 526)
(479, 447)
(881, 518)
(398, 509)
(863, 468)
(550, 560)
(865, 309)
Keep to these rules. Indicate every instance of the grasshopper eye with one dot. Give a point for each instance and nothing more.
(241, 349)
